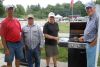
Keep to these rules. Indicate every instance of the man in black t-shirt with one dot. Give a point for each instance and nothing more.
(50, 31)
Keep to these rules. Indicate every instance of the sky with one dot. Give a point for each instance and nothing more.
(43, 3)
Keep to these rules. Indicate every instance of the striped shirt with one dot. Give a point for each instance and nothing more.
(91, 29)
(32, 36)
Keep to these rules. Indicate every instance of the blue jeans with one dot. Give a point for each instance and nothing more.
(33, 54)
(91, 55)
(16, 49)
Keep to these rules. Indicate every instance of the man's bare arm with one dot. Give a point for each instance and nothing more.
(4, 42)
(50, 37)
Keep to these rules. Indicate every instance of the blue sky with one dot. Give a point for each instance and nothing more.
(43, 3)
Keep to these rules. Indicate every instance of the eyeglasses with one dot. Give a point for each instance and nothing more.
(88, 8)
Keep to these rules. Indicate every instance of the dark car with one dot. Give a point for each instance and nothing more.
(24, 60)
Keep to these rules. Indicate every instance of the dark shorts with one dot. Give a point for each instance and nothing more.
(16, 50)
(51, 50)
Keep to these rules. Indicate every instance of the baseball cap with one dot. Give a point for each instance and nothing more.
(51, 14)
(30, 16)
(90, 4)
(9, 6)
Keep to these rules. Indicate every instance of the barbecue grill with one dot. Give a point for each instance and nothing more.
(76, 49)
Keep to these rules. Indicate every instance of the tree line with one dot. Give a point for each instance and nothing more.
(42, 13)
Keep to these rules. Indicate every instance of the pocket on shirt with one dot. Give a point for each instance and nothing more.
(35, 32)
(26, 33)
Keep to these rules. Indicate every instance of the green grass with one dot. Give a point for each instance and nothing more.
(1, 50)
(63, 27)
(63, 54)
(99, 60)
(43, 53)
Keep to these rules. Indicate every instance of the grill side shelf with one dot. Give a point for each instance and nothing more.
(76, 45)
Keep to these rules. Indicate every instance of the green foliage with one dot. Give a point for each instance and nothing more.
(63, 27)
(79, 8)
(42, 13)
(99, 60)
(1, 51)
(63, 54)
(19, 11)
(98, 1)
(2, 10)
(62, 9)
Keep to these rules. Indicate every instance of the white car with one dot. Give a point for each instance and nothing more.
(63, 42)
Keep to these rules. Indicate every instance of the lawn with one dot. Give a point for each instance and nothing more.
(63, 54)
(99, 60)
(1, 51)
(63, 27)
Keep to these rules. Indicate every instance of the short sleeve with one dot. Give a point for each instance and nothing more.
(0, 29)
(45, 29)
(3, 29)
(19, 25)
(58, 27)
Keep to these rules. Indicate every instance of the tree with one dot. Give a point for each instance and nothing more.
(28, 10)
(98, 1)
(19, 11)
(2, 10)
(62, 9)
(79, 8)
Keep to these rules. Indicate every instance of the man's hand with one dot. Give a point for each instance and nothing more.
(7, 52)
(81, 39)
(56, 38)
(93, 43)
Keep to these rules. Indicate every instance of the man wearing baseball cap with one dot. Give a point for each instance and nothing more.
(90, 34)
(50, 31)
(11, 37)
(33, 40)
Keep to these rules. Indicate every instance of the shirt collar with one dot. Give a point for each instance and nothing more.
(31, 26)
(92, 16)
(9, 18)
(51, 23)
